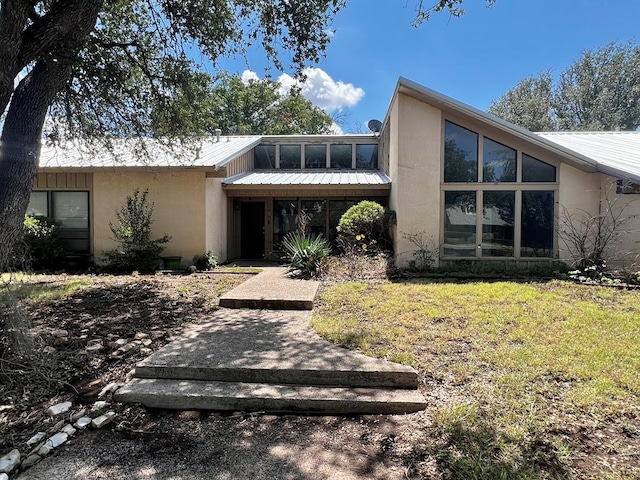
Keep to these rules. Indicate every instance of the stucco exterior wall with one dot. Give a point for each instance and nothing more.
(179, 198)
(414, 167)
(624, 251)
(216, 219)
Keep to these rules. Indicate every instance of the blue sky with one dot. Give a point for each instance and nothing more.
(475, 58)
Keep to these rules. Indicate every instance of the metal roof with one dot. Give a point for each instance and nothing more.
(368, 178)
(147, 153)
(617, 153)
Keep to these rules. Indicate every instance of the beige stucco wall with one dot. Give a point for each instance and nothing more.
(216, 219)
(414, 158)
(179, 197)
(625, 249)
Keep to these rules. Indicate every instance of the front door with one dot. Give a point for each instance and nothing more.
(252, 229)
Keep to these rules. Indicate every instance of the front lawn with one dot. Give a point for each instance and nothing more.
(525, 380)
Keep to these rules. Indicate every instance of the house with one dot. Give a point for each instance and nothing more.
(435, 161)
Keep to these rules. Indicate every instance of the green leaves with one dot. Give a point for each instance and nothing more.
(304, 253)
(600, 91)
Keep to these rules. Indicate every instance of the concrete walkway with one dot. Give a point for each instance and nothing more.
(262, 359)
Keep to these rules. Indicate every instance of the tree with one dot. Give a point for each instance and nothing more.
(97, 69)
(256, 107)
(528, 104)
(600, 91)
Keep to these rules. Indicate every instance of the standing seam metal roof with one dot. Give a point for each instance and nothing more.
(310, 177)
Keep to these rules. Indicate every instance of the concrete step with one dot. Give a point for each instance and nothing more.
(397, 376)
(265, 303)
(268, 398)
(272, 289)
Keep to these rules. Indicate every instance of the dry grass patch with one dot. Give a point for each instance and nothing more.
(546, 375)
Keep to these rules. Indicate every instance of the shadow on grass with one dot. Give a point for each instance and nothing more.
(473, 448)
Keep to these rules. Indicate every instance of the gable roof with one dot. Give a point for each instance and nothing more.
(612, 153)
(129, 153)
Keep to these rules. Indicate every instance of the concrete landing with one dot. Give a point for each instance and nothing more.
(272, 289)
(267, 346)
(261, 397)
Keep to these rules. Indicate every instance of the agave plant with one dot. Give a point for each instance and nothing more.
(304, 253)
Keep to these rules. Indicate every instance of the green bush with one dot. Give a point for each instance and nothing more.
(205, 261)
(137, 251)
(366, 222)
(304, 253)
(41, 244)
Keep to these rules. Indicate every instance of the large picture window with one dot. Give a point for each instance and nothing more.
(70, 210)
(460, 154)
(515, 214)
(499, 162)
(460, 224)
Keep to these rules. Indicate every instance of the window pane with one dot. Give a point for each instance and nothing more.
(460, 154)
(497, 224)
(284, 219)
(316, 210)
(264, 156)
(366, 156)
(534, 170)
(460, 224)
(537, 224)
(340, 156)
(38, 204)
(71, 209)
(499, 162)
(290, 156)
(315, 156)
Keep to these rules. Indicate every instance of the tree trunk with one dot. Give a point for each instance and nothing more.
(20, 146)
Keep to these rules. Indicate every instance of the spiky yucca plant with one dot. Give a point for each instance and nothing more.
(304, 253)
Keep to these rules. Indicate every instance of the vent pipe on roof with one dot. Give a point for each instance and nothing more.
(218, 132)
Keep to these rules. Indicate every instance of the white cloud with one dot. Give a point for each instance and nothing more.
(249, 75)
(318, 87)
(322, 90)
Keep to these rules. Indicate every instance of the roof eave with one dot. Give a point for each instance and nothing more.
(446, 103)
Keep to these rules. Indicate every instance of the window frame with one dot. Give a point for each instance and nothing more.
(480, 187)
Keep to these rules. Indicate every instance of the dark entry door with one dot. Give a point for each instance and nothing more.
(252, 229)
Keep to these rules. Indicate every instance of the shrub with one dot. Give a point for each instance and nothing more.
(205, 261)
(304, 253)
(137, 251)
(366, 223)
(41, 244)
(426, 252)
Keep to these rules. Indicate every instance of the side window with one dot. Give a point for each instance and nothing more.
(534, 170)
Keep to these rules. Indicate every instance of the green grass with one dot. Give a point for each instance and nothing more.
(522, 359)
(36, 288)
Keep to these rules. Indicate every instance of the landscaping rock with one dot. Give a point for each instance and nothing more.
(60, 333)
(146, 351)
(4, 476)
(79, 414)
(45, 449)
(99, 405)
(57, 440)
(69, 430)
(103, 420)
(146, 342)
(31, 460)
(58, 409)
(112, 387)
(82, 423)
(94, 347)
(56, 427)
(128, 348)
(141, 335)
(37, 438)
(36, 449)
(49, 350)
(10, 461)
(122, 341)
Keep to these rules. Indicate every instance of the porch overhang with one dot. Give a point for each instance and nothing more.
(309, 183)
